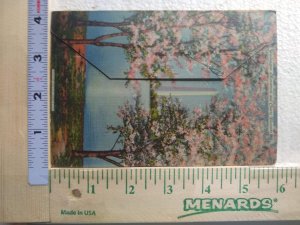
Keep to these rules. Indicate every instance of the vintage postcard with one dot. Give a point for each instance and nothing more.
(163, 88)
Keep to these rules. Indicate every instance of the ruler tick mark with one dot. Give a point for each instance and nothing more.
(145, 179)
(164, 181)
(154, 176)
(126, 182)
(276, 180)
(88, 181)
(97, 176)
(117, 176)
(78, 177)
(235, 173)
(159, 173)
(221, 178)
(202, 177)
(174, 176)
(69, 179)
(135, 176)
(258, 180)
(295, 177)
(240, 180)
(193, 176)
(50, 184)
(183, 178)
(249, 175)
(106, 179)
(207, 174)
(59, 177)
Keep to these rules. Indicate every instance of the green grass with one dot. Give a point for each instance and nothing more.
(69, 90)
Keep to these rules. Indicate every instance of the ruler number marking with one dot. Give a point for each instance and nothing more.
(208, 189)
(131, 190)
(245, 188)
(37, 96)
(92, 189)
(169, 189)
(282, 188)
(37, 19)
(37, 58)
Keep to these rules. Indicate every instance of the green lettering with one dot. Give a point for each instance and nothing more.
(230, 204)
(266, 203)
(254, 203)
(206, 204)
(192, 204)
(242, 204)
(217, 203)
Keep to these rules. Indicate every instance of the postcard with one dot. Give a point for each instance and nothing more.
(163, 88)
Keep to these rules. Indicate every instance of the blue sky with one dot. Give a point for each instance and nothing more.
(103, 96)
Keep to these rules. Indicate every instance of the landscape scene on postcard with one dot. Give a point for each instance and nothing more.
(163, 88)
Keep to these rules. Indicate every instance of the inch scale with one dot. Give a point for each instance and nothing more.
(38, 92)
(174, 194)
(144, 194)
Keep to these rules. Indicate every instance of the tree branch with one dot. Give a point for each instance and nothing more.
(95, 42)
(96, 154)
(112, 162)
(108, 36)
(112, 44)
(101, 23)
(98, 41)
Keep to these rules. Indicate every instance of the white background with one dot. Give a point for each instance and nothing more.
(288, 33)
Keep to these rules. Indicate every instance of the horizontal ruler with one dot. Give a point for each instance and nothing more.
(174, 194)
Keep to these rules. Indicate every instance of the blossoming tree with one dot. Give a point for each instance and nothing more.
(235, 46)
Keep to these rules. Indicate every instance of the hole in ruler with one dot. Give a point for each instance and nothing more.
(76, 193)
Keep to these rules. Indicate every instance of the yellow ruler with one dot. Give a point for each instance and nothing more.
(174, 194)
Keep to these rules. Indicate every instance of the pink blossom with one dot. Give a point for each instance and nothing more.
(197, 111)
(151, 37)
(150, 59)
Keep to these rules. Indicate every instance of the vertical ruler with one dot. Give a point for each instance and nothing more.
(37, 92)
